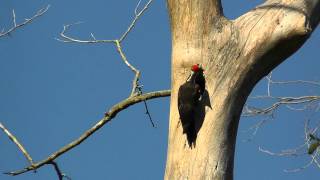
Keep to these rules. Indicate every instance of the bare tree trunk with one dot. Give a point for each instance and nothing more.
(235, 56)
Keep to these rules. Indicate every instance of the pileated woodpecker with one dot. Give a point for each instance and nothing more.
(189, 95)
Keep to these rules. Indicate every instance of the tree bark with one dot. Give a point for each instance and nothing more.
(235, 55)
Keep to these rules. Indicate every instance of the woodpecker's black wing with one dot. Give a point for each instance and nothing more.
(188, 96)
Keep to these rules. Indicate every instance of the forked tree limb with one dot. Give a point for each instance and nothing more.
(107, 118)
(25, 22)
(117, 42)
(135, 96)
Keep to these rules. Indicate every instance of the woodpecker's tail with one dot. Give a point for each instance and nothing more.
(189, 130)
(191, 134)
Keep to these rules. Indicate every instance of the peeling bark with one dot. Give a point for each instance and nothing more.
(235, 55)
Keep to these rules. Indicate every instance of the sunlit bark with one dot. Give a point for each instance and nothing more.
(235, 55)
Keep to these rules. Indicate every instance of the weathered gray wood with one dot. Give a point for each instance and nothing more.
(235, 54)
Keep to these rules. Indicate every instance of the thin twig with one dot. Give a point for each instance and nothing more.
(312, 161)
(255, 129)
(288, 152)
(301, 148)
(146, 107)
(269, 83)
(300, 168)
(136, 9)
(27, 21)
(57, 169)
(108, 116)
(316, 83)
(136, 17)
(93, 37)
(60, 174)
(148, 113)
(14, 18)
(68, 39)
(16, 141)
(281, 101)
(307, 102)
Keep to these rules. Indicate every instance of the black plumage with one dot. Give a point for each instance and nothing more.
(189, 95)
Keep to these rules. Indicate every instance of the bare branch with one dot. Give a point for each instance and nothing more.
(94, 38)
(68, 39)
(297, 109)
(65, 38)
(14, 18)
(269, 82)
(27, 21)
(281, 101)
(135, 96)
(148, 113)
(299, 169)
(16, 141)
(255, 128)
(316, 83)
(119, 49)
(136, 71)
(136, 9)
(136, 17)
(117, 42)
(312, 161)
(288, 152)
(146, 106)
(108, 116)
(287, 101)
(58, 171)
(300, 103)
(300, 150)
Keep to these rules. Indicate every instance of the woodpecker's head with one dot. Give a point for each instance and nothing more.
(196, 68)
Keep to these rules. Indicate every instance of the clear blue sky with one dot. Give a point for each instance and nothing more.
(51, 92)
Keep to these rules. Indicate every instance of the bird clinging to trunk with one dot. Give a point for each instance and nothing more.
(189, 95)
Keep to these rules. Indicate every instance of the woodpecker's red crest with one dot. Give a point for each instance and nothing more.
(195, 68)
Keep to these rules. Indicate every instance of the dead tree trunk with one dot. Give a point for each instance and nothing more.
(235, 55)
